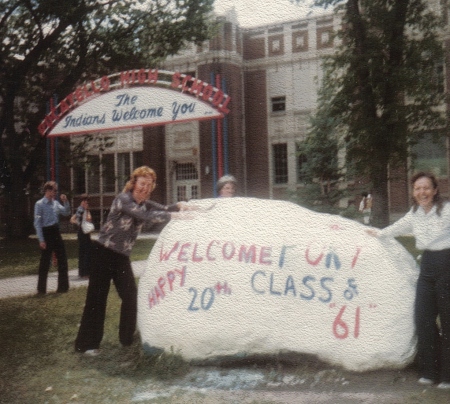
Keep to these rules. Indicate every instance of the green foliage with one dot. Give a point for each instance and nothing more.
(21, 257)
(312, 196)
(380, 87)
(351, 213)
(410, 244)
(169, 365)
(320, 169)
(321, 150)
(383, 79)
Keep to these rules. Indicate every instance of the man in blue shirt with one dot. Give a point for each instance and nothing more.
(46, 219)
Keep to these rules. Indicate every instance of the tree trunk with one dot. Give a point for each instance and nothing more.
(380, 206)
(18, 218)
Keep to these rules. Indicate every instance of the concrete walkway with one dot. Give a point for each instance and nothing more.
(27, 285)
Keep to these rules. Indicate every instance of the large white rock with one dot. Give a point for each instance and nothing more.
(251, 276)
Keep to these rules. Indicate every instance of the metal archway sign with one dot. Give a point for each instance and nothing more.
(143, 97)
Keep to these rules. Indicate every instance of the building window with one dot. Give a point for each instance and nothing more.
(300, 41)
(278, 104)
(181, 193)
(280, 163)
(79, 179)
(301, 161)
(430, 155)
(324, 37)
(186, 171)
(138, 160)
(276, 45)
(112, 164)
(109, 179)
(93, 180)
(194, 192)
(126, 163)
(123, 168)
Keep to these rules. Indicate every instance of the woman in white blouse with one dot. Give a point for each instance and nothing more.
(429, 222)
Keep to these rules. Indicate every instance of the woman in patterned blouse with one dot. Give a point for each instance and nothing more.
(129, 211)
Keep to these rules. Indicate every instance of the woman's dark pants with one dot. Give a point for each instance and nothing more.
(107, 265)
(433, 299)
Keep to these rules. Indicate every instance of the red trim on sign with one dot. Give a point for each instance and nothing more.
(219, 138)
(136, 78)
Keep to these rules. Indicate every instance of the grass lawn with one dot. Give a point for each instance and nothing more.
(20, 258)
(410, 244)
(38, 363)
(37, 359)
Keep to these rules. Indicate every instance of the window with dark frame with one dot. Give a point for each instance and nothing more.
(93, 184)
(79, 179)
(110, 164)
(123, 168)
(186, 171)
(278, 104)
(181, 193)
(280, 163)
(138, 159)
(194, 192)
(109, 179)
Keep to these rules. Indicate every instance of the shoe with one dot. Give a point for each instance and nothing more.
(92, 352)
(444, 385)
(425, 381)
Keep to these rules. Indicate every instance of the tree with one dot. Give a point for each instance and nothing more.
(380, 85)
(49, 46)
(320, 169)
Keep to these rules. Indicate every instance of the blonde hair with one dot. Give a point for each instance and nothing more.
(142, 171)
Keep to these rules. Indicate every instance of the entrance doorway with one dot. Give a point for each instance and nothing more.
(186, 182)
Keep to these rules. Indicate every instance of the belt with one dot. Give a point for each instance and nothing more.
(49, 227)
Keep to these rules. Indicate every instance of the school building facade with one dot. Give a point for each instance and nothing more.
(272, 74)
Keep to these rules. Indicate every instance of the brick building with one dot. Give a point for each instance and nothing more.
(271, 73)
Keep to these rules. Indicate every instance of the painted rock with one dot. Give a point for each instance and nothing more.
(249, 276)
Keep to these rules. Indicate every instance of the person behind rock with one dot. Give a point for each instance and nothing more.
(226, 186)
(429, 222)
(365, 207)
(129, 211)
(46, 223)
(84, 240)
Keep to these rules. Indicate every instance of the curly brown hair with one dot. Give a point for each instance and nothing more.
(142, 171)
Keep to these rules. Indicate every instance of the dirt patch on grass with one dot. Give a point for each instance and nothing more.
(308, 383)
